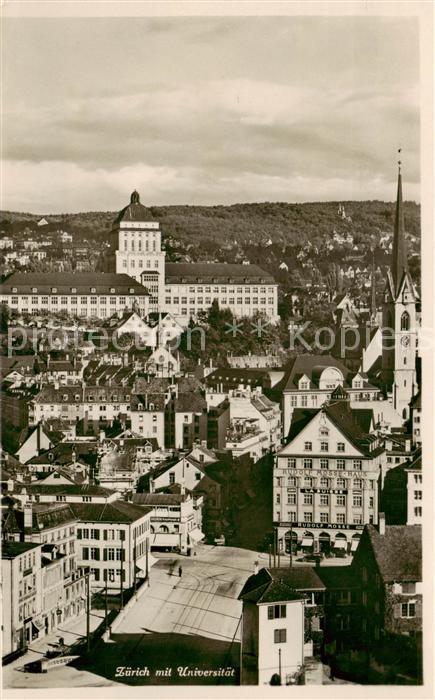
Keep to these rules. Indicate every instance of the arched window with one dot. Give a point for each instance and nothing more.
(404, 321)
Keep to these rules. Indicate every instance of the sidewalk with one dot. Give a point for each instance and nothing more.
(71, 631)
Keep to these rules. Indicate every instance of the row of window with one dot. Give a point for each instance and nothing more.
(325, 500)
(140, 264)
(324, 462)
(109, 553)
(109, 575)
(324, 517)
(324, 446)
(84, 301)
(324, 482)
(224, 290)
(85, 533)
(102, 397)
(231, 301)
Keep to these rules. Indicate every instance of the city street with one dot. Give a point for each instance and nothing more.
(192, 621)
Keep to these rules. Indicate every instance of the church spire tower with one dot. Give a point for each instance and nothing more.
(399, 319)
(400, 259)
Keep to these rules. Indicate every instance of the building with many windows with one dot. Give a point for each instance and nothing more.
(21, 593)
(184, 289)
(313, 379)
(244, 289)
(326, 479)
(88, 295)
(113, 540)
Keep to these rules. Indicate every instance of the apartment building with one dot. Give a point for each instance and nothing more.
(22, 595)
(99, 404)
(113, 539)
(176, 520)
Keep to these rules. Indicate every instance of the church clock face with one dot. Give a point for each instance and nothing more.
(405, 341)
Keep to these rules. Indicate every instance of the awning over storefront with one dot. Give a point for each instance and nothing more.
(38, 623)
(340, 544)
(141, 562)
(164, 540)
(196, 535)
(354, 545)
(308, 542)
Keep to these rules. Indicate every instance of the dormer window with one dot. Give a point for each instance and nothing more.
(93, 290)
(131, 290)
(112, 290)
(74, 290)
(54, 290)
(34, 290)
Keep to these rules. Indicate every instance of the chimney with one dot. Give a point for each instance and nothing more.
(382, 523)
(28, 515)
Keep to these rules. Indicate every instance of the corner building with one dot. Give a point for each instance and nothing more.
(326, 480)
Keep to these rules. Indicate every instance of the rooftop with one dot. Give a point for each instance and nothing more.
(10, 550)
(135, 211)
(398, 552)
(115, 512)
(270, 586)
(66, 282)
(159, 499)
(219, 273)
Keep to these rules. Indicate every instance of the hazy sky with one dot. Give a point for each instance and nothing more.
(207, 110)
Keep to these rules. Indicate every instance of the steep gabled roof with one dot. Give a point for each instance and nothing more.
(279, 585)
(398, 553)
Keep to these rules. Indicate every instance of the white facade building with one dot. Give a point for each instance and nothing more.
(88, 295)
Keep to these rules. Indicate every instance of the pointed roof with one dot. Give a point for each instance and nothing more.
(399, 264)
(373, 308)
(135, 211)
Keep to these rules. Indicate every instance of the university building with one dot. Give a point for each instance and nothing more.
(98, 295)
(184, 289)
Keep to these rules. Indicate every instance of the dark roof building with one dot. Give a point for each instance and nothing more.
(71, 283)
(271, 585)
(114, 512)
(218, 273)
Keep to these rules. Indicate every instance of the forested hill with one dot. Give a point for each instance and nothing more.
(246, 224)
(296, 243)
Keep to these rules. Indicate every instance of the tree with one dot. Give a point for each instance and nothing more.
(5, 316)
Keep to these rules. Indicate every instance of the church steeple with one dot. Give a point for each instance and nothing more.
(399, 259)
(373, 309)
